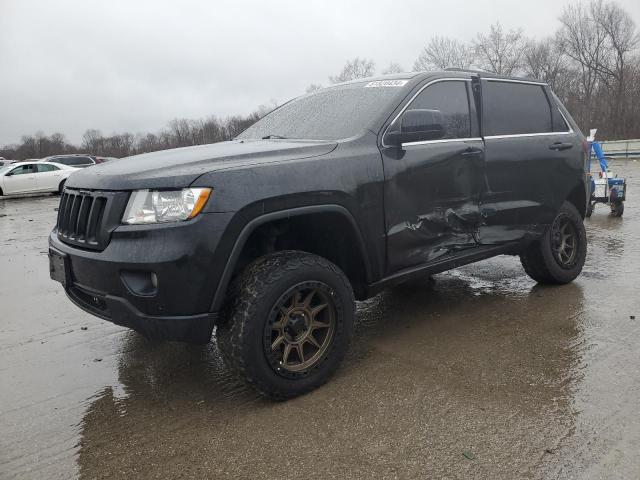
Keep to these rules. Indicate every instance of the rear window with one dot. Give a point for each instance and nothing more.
(511, 108)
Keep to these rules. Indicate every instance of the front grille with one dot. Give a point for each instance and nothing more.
(86, 219)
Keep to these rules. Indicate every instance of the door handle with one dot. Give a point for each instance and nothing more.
(471, 151)
(558, 146)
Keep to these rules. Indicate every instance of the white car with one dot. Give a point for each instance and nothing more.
(33, 177)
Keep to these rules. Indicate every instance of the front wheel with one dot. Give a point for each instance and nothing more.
(558, 257)
(288, 323)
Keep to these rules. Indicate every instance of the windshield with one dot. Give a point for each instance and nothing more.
(5, 169)
(329, 114)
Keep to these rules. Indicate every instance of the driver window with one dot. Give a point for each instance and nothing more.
(23, 169)
(451, 100)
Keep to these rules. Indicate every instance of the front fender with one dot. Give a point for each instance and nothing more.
(248, 226)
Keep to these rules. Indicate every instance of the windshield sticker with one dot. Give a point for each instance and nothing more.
(387, 83)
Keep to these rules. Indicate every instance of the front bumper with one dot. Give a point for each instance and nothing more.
(189, 328)
(180, 256)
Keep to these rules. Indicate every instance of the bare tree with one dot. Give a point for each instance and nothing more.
(392, 68)
(585, 41)
(313, 87)
(93, 141)
(623, 39)
(545, 61)
(443, 52)
(499, 51)
(353, 69)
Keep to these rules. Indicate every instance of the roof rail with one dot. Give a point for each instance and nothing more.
(468, 70)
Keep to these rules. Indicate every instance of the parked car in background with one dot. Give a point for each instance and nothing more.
(105, 159)
(75, 160)
(4, 161)
(33, 177)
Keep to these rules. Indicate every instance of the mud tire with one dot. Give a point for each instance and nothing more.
(253, 295)
(538, 258)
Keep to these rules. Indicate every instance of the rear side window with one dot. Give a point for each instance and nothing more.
(511, 108)
(559, 123)
(46, 168)
(450, 98)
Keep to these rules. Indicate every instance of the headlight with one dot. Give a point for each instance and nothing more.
(162, 206)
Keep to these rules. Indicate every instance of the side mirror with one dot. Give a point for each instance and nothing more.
(8, 174)
(418, 125)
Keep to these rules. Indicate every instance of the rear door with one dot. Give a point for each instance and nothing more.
(48, 177)
(432, 188)
(518, 194)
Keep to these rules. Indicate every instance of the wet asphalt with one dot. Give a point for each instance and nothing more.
(479, 374)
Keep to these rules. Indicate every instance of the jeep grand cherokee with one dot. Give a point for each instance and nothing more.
(270, 237)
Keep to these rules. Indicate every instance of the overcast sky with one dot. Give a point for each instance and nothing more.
(66, 66)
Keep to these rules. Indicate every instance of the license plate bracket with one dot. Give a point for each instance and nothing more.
(59, 267)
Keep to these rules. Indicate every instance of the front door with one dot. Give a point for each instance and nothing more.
(432, 188)
(21, 179)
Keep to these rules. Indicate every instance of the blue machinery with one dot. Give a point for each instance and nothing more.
(606, 188)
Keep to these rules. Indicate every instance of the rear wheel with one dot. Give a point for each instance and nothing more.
(617, 209)
(558, 257)
(287, 323)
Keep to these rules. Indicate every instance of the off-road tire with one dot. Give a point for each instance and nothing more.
(538, 258)
(617, 209)
(252, 297)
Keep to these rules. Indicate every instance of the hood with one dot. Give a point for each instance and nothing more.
(179, 167)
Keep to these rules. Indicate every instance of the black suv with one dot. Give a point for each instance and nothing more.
(331, 197)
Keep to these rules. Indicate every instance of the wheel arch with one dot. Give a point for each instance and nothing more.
(358, 272)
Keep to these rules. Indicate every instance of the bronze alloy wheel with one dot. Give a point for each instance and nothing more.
(300, 329)
(564, 241)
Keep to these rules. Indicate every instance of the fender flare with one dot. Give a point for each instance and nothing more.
(249, 228)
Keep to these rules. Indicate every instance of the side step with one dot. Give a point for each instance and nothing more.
(443, 264)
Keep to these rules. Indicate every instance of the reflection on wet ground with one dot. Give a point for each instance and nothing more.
(480, 374)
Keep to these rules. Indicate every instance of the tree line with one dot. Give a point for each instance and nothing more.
(591, 62)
